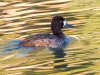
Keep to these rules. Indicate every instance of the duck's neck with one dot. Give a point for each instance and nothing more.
(59, 35)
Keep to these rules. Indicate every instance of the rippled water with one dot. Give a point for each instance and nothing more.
(22, 18)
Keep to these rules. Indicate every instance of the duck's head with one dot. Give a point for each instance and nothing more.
(58, 22)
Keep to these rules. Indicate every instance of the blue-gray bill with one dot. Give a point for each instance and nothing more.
(65, 24)
(69, 26)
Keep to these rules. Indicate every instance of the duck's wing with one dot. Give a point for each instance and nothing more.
(38, 40)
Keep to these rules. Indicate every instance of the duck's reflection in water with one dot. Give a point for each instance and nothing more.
(59, 54)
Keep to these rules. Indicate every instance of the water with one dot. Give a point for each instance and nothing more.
(22, 18)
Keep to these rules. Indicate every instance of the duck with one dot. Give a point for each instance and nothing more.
(54, 40)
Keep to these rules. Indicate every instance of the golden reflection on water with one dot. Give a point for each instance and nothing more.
(19, 19)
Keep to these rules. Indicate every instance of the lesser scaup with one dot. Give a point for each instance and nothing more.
(49, 40)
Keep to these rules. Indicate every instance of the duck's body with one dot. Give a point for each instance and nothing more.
(49, 40)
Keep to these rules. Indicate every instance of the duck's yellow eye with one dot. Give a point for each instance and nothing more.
(60, 21)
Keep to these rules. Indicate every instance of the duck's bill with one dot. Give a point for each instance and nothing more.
(67, 25)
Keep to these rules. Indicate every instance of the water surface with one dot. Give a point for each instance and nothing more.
(22, 18)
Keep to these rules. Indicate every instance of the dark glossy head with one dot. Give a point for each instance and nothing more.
(58, 22)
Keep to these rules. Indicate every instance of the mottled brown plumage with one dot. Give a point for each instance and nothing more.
(49, 40)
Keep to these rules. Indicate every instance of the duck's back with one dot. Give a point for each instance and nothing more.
(48, 40)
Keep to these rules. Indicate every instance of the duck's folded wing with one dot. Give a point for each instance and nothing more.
(37, 40)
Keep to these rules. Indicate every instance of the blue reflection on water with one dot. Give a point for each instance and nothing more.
(12, 46)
